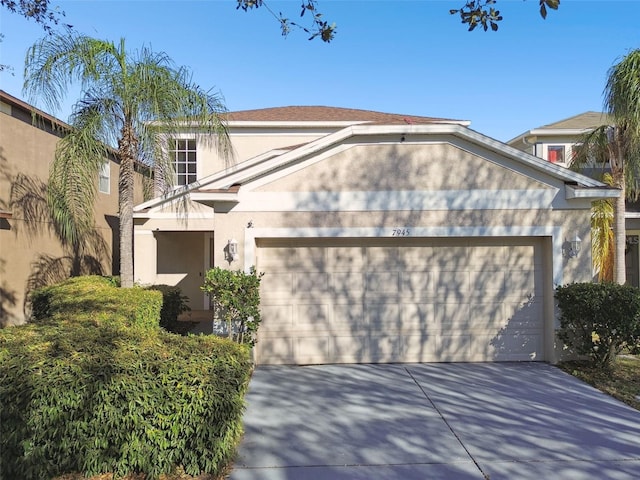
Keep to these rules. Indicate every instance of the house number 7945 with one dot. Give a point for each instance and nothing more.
(400, 232)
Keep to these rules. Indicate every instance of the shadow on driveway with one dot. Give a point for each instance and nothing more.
(434, 421)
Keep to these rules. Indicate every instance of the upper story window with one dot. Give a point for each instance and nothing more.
(555, 153)
(183, 156)
(104, 178)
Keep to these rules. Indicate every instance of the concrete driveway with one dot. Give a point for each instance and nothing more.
(434, 421)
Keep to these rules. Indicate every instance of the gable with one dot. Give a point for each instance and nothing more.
(399, 167)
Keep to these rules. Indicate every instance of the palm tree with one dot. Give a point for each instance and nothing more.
(602, 238)
(618, 145)
(129, 101)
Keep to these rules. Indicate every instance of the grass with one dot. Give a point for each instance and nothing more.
(621, 382)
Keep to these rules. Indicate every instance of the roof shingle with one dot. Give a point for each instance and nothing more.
(328, 114)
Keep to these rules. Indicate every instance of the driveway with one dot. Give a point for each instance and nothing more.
(500, 421)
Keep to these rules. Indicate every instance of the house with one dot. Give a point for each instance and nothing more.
(555, 143)
(28, 139)
(383, 238)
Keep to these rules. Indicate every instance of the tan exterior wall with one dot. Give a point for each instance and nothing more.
(29, 149)
(248, 145)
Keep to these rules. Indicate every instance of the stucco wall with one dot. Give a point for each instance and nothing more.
(29, 150)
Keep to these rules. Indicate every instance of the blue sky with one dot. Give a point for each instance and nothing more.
(400, 56)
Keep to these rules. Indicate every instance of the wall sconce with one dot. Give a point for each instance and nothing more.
(232, 250)
(574, 246)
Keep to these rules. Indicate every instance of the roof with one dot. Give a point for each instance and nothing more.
(580, 121)
(29, 113)
(330, 114)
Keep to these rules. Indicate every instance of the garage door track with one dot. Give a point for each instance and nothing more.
(500, 421)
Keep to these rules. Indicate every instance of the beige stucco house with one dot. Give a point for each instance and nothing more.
(383, 238)
(28, 139)
(555, 143)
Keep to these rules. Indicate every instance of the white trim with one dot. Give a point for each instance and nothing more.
(556, 234)
(251, 169)
(632, 215)
(396, 200)
(138, 231)
(573, 191)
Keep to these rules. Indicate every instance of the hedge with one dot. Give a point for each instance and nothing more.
(91, 391)
(95, 299)
(599, 320)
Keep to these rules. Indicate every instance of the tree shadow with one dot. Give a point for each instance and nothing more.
(84, 255)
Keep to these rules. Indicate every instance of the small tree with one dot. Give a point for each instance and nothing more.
(235, 297)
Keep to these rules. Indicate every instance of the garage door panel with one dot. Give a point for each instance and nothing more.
(312, 316)
(348, 316)
(350, 284)
(417, 317)
(431, 300)
(381, 317)
(452, 285)
(276, 350)
(278, 283)
(490, 281)
(415, 258)
(489, 257)
(416, 284)
(312, 348)
(386, 348)
(351, 348)
(382, 282)
(421, 347)
(454, 348)
(523, 282)
(526, 314)
(276, 317)
(312, 283)
(345, 259)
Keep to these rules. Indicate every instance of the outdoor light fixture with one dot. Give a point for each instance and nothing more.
(232, 250)
(574, 246)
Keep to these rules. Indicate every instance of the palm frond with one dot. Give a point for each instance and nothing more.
(56, 61)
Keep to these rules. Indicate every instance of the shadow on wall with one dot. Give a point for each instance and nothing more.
(377, 299)
(33, 218)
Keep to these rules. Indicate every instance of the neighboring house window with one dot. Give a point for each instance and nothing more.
(555, 153)
(104, 178)
(183, 155)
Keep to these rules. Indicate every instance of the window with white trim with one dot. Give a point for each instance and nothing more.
(183, 155)
(104, 178)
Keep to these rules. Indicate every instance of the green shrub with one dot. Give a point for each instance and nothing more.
(95, 299)
(173, 304)
(235, 296)
(599, 319)
(107, 396)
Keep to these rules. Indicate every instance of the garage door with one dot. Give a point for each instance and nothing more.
(400, 300)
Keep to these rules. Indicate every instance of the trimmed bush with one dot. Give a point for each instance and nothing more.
(92, 392)
(599, 319)
(95, 299)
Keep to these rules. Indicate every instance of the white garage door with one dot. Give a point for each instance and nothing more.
(400, 300)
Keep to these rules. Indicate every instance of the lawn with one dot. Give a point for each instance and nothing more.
(622, 382)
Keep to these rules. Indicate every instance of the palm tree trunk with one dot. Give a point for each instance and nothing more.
(127, 149)
(620, 235)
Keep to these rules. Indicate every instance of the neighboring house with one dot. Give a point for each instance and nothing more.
(383, 238)
(555, 143)
(28, 139)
